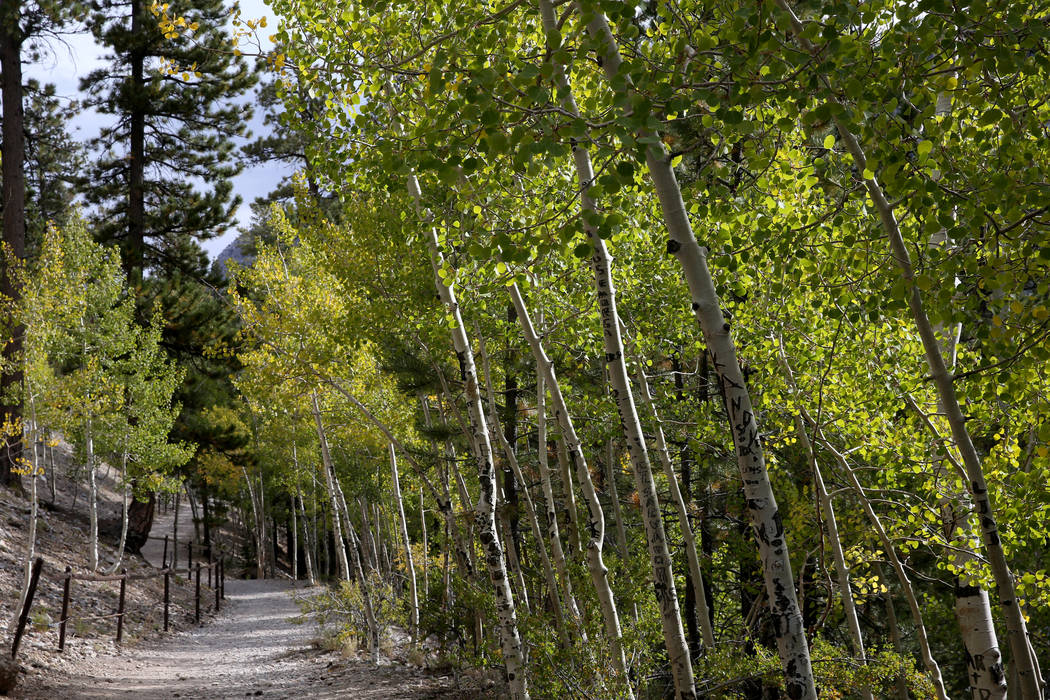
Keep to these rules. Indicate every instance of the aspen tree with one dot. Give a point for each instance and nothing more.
(530, 510)
(510, 639)
(683, 515)
(1017, 630)
(761, 503)
(596, 522)
(409, 564)
(601, 263)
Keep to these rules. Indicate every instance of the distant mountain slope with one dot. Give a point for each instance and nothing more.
(235, 252)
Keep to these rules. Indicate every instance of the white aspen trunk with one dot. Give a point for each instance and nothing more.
(762, 508)
(175, 531)
(387, 539)
(89, 449)
(1031, 683)
(357, 551)
(309, 544)
(466, 502)
(316, 536)
(326, 457)
(513, 563)
(612, 468)
(601, 263)
(256, 520)
(371, 550)
(530, 509)
(553, 534)
(124, 513)
(33, 470)
(510, 639)
(362, 581)
(295, 539)
(295, 525)
(841, 569)
(909, 592)
(973, 610)
(572, 519)
(707, 631)
(414, 596)
(596, 521)
(426, 547)
(901, 685)
(444, 501)
(264, 544)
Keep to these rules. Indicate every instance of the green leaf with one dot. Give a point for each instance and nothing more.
(829, 141)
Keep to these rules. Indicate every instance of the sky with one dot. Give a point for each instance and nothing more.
(76, 55)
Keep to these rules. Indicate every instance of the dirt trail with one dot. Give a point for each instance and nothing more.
(251, 649)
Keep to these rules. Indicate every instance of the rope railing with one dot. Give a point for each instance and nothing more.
(217, 567)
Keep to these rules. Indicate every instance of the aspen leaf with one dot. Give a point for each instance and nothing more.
(829, 141)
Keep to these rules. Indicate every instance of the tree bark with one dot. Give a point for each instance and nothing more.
(134, 250)
(909, 592)
(414, 611)
(1017, 630)
(426, 546)
(596, 522)
(310, 543)
(510, 639)
(601, 264)
(510, 432)
(370, 543)
(329, 475)
(845, 589)
(696, 578)
(12, 162)
(124, 487)
(530, 510)
(612, 468)
(553, 534)
(761, 504)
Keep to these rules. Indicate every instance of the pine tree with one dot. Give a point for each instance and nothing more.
(53, 157)
(174, 100)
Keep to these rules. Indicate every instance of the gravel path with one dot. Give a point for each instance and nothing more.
(251, 650)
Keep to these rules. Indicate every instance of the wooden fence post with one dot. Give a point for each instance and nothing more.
(197, 595)
(33, 577)
(216, 589)
(65, 609)
(210, 567)
(120, 605)
(222, 576)
(189, 559)
(164, 558)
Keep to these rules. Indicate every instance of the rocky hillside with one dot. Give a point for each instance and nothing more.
(62, 540)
